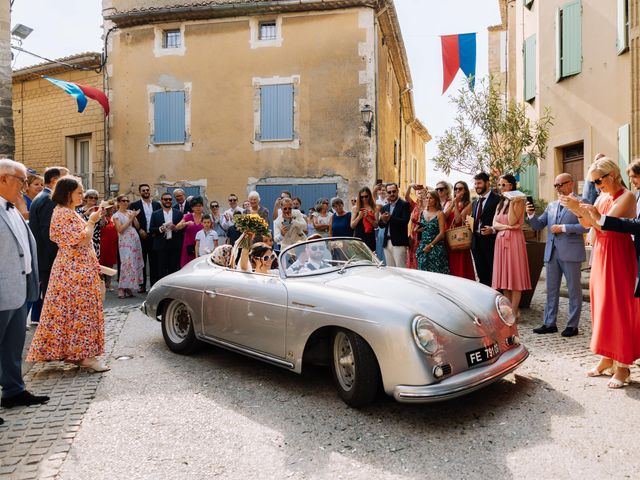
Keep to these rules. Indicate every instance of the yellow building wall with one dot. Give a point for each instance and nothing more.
(588, 107)
(324, 50)
(46, 123)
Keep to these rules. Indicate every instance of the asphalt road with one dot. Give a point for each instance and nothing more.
(217, 414)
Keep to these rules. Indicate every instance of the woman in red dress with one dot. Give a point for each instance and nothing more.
(415, 232)
(108, 244)
(460, 263)
(614, 310)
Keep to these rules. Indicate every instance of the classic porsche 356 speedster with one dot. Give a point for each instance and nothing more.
(420, 336)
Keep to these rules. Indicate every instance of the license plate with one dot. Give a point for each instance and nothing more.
(483, 354)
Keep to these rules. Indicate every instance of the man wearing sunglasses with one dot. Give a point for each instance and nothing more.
(563, 255)
(227, 217)
(316, 258)
(146, 206)
(394, 219)
(167, 242)
(290, 225)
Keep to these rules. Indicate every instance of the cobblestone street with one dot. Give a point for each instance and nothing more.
(217, 414)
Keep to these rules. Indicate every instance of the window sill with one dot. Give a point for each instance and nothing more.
(271, 144)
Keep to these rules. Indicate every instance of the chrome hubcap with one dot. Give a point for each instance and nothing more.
(344, 361)
(178, 322)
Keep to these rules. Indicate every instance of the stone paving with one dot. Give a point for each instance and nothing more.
(34, 441)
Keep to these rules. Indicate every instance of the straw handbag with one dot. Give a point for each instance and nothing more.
(459, 238)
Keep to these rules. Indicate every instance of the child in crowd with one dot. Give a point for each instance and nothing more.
(207, 238)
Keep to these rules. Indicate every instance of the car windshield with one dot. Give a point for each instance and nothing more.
(325, 255)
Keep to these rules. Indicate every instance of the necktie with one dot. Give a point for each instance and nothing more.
(10, 205)
(479, 212)
(560, 211)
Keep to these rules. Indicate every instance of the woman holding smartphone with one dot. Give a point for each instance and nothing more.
(363, 218)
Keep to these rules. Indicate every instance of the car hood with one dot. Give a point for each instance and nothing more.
(461, 306)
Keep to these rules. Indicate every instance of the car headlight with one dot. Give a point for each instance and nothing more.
(425, 335)
(505, 310)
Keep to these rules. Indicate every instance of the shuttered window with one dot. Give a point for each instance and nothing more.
(529, 179)
(276, 112)
(569, 39)
(624, 151)
(169, 117)
(622, 26)
(530, 68)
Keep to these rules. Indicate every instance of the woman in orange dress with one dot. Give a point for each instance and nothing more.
(614, 313)
(510, 263)
(72, 323)
(460, 263)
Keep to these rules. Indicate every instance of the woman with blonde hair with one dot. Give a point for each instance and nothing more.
(614, 311)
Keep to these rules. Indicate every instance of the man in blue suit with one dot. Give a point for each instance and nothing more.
(18, 285)
(563, 255)
(166, 239)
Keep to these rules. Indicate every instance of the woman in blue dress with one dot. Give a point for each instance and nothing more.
(431, 254)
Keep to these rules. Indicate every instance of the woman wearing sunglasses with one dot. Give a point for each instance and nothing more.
(510, 263)
(363, 218)
(613, 270)
(257, 259)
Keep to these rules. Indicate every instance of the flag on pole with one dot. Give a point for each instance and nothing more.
(458, 53)
(81, 92)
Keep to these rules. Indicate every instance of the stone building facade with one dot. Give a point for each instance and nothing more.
(571, 56)
(233, 96)
(48, 128)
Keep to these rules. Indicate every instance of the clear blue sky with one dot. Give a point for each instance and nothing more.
(68, 27)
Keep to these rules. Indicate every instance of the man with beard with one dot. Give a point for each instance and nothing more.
(483, 210)
(146, 206)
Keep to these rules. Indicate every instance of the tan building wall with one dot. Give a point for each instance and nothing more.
(48, 127)
(328, 55)
(588, 107)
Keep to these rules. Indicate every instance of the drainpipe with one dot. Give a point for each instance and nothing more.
(375, 83)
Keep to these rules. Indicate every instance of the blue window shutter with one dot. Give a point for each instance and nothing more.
(169, 121)
(529, 179)
(276, 112)
(530, 68)
(572, 38)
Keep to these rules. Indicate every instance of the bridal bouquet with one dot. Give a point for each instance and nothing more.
(251, 223)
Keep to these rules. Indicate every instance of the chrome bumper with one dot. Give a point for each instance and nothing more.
(464, 382)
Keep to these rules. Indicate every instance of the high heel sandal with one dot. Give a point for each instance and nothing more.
(93, 364)
(615, 383)
(594, 372)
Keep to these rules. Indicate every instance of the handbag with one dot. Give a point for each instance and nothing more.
(459, 238)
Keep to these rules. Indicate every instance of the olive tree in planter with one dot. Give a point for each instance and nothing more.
(496, 136)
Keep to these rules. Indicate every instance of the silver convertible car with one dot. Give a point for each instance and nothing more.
(421, 336)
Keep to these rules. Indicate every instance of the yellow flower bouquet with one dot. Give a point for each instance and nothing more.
(251, 223)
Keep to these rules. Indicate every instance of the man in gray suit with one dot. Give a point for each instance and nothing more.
(18, 285)
(563, 255)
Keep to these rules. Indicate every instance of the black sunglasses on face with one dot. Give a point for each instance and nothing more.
(391, 192)
(214, 206)
(440, 189)
(558, 185)
(286, 209)
(231, 200)
(599, 180)
(364, 196)
(458, 188)
(167, 200)
(144, 190)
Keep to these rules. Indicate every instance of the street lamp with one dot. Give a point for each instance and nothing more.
(367, 117)
(21, 31)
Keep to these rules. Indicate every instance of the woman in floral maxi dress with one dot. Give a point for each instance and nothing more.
(129, 248)
(431, 254)
(72, 322)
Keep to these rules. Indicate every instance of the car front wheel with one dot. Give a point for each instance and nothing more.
(177, 328)
(355, 369)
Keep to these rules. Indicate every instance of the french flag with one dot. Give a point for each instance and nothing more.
(81, 92)
(458, 53)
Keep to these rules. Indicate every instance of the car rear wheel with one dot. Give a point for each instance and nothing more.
(177, 328)
(355, 369)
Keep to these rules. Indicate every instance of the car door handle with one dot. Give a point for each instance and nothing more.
(211, 293)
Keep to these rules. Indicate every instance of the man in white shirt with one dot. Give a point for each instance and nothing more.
(167, 240)
(227, 216)
(146, 205)
(18, 286)
(289, 226)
